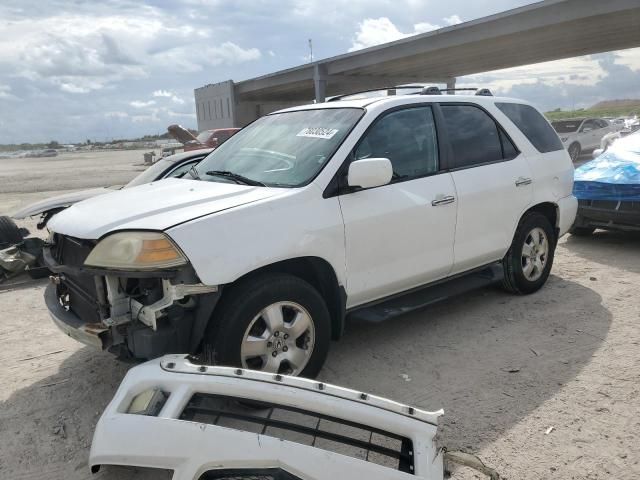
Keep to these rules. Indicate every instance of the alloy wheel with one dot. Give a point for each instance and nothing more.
(535, 252)
(279, 339)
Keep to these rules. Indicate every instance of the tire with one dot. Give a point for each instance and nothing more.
(10, 234)
(523, 274)
(581, 231)
(574, 151)
(250, 309)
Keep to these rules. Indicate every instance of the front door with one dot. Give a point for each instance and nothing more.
(399, 235)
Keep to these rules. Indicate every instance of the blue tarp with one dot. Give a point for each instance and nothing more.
(614, 175)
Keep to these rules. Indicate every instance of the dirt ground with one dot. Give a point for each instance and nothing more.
(541, 386)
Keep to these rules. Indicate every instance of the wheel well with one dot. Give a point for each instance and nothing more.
(549, 210)
(319, 274)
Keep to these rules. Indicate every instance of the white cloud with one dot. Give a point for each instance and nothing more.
(167, 94)
(374, 31)
(452, 20)
(5, 92)
(141, 104)
(116, 114)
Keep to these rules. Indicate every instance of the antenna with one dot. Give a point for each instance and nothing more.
(310, 51)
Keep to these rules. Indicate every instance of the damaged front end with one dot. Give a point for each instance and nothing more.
(205, 422)
(140, 313)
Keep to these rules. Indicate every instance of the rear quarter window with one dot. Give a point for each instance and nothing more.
(533, 125)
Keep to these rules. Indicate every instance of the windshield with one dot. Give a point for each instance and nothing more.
(150, 174)
(567, 126)
(283, 149)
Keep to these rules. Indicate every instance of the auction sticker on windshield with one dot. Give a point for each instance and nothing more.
(318, 132)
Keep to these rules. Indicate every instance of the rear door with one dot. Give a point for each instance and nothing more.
(399, 235)
(493, 183)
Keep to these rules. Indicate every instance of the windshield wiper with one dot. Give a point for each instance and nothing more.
(235, 177)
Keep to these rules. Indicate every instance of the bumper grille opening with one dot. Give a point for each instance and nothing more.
(305, 427)
(80, 290)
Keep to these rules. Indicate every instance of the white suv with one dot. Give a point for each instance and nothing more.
(364, 208)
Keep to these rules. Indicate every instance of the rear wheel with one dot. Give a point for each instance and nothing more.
(10, 234)
(574, 151)
(528, 262)
(275, 323)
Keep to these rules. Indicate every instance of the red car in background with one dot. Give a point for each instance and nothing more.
(205, 139)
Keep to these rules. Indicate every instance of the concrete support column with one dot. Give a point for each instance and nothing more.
(451, 83)
(320, 82)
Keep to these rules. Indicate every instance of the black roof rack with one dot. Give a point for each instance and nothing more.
(484, 92)
(340, 97)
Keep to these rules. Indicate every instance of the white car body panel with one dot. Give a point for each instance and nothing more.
(59, 201)
(415, 245)
(224, 247)
(489, 207)
(190, 448)
(154, 206)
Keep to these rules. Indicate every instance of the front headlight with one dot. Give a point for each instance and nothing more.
(136, 251)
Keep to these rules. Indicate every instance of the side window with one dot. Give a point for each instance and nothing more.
(509, 151)
(181, 170)
(407, 138)
(589, 125)
(533, 125)
(473, 134)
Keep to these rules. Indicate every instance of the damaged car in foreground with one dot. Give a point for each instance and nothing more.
(203, 423)
(608, 189)
(364, 209)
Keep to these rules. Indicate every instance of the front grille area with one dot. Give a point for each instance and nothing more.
(79, 289)
(302, 426)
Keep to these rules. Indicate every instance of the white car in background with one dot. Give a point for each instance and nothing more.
(582, 134)
(360, 208)
(166, 167)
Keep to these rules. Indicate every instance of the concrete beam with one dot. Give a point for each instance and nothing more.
(320, 82)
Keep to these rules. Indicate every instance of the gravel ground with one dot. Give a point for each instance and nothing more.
(542, 386)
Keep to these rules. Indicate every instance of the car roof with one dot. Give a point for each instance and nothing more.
(400, 99)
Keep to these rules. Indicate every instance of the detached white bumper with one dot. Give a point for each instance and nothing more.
(191, 447)
(567, 209)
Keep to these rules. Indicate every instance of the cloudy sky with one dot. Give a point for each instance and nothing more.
(74, 70)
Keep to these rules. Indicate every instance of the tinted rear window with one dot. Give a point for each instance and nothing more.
(533, 125)
(473, 134)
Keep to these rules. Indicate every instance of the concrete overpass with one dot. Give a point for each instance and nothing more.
(543, 31)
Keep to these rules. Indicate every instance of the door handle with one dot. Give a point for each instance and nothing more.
(443, 200)
(522, 181)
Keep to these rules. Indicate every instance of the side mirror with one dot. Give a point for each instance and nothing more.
(597, 152)
(370, 172)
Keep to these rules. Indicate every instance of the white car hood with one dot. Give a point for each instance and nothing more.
(59, 201)
(154, 206)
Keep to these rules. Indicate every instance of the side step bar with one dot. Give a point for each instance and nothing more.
(427, 295)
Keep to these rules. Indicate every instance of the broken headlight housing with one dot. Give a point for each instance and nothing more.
(136, 251)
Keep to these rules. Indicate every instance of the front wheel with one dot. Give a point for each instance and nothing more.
(528, 262)
(275, 323)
